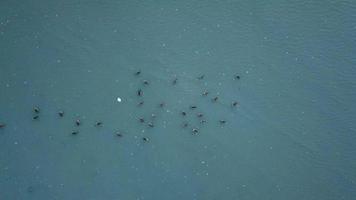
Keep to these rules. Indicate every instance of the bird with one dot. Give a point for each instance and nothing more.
(2, 125)
(98, 123)
(75, 132)
(78, 122)
(61, 113)
(36, 109)
(138, 72)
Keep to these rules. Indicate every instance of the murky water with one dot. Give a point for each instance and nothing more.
(291, 136)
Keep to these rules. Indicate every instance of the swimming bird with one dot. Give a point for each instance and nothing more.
(200, 115)
(138, 72)
(2, 125)
(237, 77)
(145, 82)
(203, 121)
(61, 113)
(97, 124)
(222, 121)
(234, 103)
(185, 124)
(141, 119)
(193, 107)
(150, 124)
(205, 93)
(139, 92)
(201, 77)
(78, 122)
(162, 104)
(118, 134)
(195, 131)
(35, 117)
(141, 103)
(36, 109)
(215, 99)
(183, 113)
(145, 139)
(75, 132)
(174, 81)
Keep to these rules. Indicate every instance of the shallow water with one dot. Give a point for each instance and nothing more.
(291, 137)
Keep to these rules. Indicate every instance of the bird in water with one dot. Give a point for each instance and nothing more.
(174, 81)
(162, 104)
(222, 121)
(138, 72)
(98, 124)
(61, 113)
(234, 103)
(150, 124)
(237, 77)
(195, 131)
(201, 77)
(139, 92)
(118, 134)
(78, 122)
(193, 107)
(205, 93)
(142, 120)
(75, 132)
(36, 109)
(185, 124)
(141, 103)
(145, 82)
(183, 113)
(2, 125)
(215, 99)
(36, 117)
(145, 139)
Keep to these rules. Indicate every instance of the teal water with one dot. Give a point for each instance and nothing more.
(292, 136)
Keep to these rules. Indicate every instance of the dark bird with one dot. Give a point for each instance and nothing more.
(237, 77)
(200, 115)
(61, 113)
(145, 139)
(36, 117)
(235, 103)
(97, 124)
(215, 99)
(201, 77)
(195, 131)
(222, 121)
(75, 132)
(77, 122)
(193, 107)
(139, 92)
(162, 104)
(141, 103)
(145, 82)
(174, 81)
(118, 134)
(183, 113)
(36, 109)
(138, 72)
(205, 93)
(2, 125)
(141, 120)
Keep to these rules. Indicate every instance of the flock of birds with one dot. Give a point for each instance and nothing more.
(139, 93)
